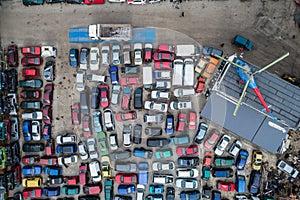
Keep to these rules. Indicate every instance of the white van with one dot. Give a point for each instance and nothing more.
(188, 73)
(283, 166)
(177, 72)
(162, 178)
(96, 78)
(147, 77)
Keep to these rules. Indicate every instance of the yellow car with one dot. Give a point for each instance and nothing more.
(32, 182)
(256, 160)
(105, 167)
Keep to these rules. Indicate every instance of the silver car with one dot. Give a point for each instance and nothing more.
(105, 55)
(91, 142)
(116, 51)
(115, 93)
(80, 81)
(94, 58)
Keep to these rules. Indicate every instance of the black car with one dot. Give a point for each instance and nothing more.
(206, 192)
(170, 194)
(157, 142)
(54, 1)
(95, 98)
(15, 153)
(118, 197)
(188, 161)
(33, 147)
(75, 1)
(216, 195)
(254, 183)
(52, 180)
(66, 198)
(138, 98)
(49, 70)
(33, 2)
(31, 105)
(3, 80)
(194, 194)
(89, 197)
(137, 134)
(207, 51)
(12, 80)
(83, 59)
(14, 128)
(30, 94)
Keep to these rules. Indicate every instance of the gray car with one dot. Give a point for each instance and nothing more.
(84, 52)
(120, 155)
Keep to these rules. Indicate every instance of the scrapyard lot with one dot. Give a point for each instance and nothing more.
(66, 76)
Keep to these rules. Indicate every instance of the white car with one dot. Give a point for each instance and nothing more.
(36, 130)
(157, 94)
(222, 144)
(158, 74)
(116, 54)
(187, 173)
(138, 53)
(105, 55)
(156, 118)
(165, 165)
(186, 183)
(94, 58)
(162, 84)
(108, 120)
(91, 143)
(37, 115)
(66, 138)
(80, 82)
(113, 141)
(127, 138)
(126, 54)
(151, 105)
(235, 148)
(95, 171)
(96, 78)
(115, 93)
(82, 149)
(140, 192)
(180, 92)
(136, 2)
(180, 105)
(67, 160)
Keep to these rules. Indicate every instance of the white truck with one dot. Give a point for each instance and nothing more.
(121, 32)
(177, 78)
(187, 50)
(188, 73)
(147, 77)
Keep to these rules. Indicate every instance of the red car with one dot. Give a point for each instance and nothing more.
(30, 94)
(75, 114)
(17, 173)
(126, 98)
(104, 102)
(29, 160)
(86, 126)
(31, 51)
(183, 151)
(181, 122)
(148, 52)
(207, 158)
(36, 61)
(126, 116)
(47, 114)
(50, 148)
(163, 57)
(30, 72)
(126, 178)
(82, 173)
(200, 85)
(89, 2)
(32, 193)
(48, 161)
(212, 139)
(48, 94)
(12, 56)
(127, 81)
(225, 186)
(166, 48)
(71, 180)
(297, 2)
(192, 121)
(163, 65)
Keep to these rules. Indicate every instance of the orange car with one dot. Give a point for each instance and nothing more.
(209, 70)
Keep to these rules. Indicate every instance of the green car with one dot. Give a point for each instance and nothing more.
(166, 153)
(102, 143)
(2, 157)
(224, 161)
(205, 173)
(70, 190)
(33, 2)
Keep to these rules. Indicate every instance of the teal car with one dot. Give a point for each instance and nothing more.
(70, 190)
(33, 2)
(156, 189)
(166, 153)
(205, 173)
(97, 121)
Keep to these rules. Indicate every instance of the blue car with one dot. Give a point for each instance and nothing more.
(241, 159)
(53, 170)
(114, 78)
(26, 128)
(170, 124)
(73, 57)
(216, 195)
(32, 170)
(126, 189)
(66, 149)
(47, 130)
(185, 195)
(51, 191)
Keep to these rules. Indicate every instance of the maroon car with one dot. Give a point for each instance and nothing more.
(86, 126)
(12, 56)
(75, 114)
(29, 160)
(48, 94)
(47, 114)
(36, 61)
(126, 116)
